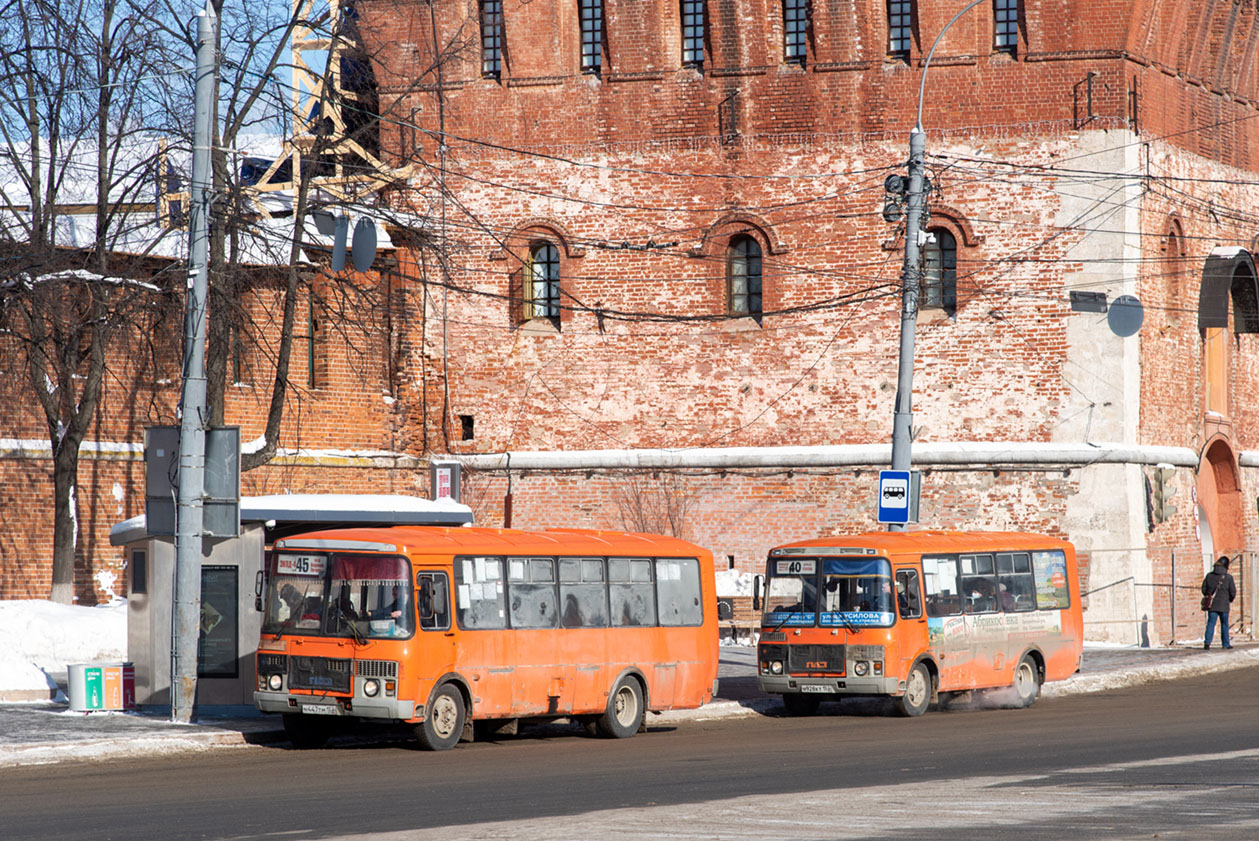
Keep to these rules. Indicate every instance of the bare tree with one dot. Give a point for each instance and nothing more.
(73, 116)
(333, 160)
(660, 508)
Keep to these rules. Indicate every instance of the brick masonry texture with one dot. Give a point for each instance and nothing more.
(1064, 165)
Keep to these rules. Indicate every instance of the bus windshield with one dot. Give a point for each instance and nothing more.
(339, 595)
(849, 592)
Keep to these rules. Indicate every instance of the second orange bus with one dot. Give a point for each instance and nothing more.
(918, 616)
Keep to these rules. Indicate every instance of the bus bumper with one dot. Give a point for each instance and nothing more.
(824, 686)
(380, 709)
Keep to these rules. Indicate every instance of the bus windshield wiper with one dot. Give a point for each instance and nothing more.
(778, 627)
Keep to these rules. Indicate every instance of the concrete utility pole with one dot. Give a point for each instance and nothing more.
(903, 419)
(186, 616)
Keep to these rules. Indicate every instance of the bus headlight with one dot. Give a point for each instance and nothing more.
(861, 668)
(776, 667)
(371, 688)
(275, 683)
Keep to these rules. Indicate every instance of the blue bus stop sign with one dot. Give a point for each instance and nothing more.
(898, 501)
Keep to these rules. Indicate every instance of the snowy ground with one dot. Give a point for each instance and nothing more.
(40, 639)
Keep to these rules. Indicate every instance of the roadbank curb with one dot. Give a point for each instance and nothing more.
(87, 750)
(1200, 663)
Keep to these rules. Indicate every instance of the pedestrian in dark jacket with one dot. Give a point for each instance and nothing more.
(1219, 587)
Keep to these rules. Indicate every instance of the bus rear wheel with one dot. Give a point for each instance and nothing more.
(442, 728)
(1026, 682)
(917, 695)
(624, 714)
(797, 703)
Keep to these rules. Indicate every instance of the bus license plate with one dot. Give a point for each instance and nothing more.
(810, 687)
(321, 709)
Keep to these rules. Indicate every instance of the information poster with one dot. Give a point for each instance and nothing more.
(216, 646)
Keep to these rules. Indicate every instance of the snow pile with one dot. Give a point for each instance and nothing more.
(40, 638)
(731, 582)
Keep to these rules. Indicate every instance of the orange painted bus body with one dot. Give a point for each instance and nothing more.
(520, 624)
(971, 610)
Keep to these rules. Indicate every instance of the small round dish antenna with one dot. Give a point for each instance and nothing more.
(1125, 316)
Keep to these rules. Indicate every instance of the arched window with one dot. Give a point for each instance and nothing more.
(743, 273)
(542, 294)
(1173, 261)
(938, 288)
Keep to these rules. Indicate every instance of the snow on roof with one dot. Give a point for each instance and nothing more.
(326, 508)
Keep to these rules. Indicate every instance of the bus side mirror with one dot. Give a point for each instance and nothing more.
(758, 581)
(258, 582)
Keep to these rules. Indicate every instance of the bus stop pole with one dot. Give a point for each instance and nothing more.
(189, 516)
(903, 418)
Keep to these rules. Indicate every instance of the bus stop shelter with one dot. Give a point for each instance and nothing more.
(231, 570)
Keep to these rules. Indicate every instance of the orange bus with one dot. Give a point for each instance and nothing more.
(918, 616)
(443, 627)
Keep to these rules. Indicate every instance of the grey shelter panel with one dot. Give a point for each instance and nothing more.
(1229, 275)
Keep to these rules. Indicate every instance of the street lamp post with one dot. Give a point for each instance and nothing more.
(902, 420)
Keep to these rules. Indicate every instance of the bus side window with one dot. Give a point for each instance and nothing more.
(632, 592)
(677, 591)
(1014, 576)
(908, 598)
(433, 604)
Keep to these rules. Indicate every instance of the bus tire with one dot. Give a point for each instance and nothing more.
(442, 727)
(1026, 682)
(797, 703)
(624, 714)
(917, 695)
(304, 732)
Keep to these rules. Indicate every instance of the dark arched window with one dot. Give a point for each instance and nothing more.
(939, 272)
(743, 273)
(542, 294)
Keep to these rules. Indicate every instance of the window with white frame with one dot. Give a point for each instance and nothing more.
(939, 272)
(542, 295)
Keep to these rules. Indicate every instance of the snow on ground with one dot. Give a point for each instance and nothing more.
(40, 639)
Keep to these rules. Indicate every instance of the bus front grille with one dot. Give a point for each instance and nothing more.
(377, 668)
(320, 673)
(815, 658)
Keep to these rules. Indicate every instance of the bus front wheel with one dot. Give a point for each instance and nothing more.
(442, 728)
(624, 714)
(917, 692)
(1026, 682)
(797, 703)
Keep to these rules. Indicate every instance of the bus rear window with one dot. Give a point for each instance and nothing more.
(1051, 580)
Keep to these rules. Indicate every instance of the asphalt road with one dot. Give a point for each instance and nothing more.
(1171, 760)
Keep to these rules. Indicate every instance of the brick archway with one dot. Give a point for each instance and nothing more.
(1219, 494)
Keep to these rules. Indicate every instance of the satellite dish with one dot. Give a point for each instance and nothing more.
(325, 222)
(363, 249)
(1125, 316)
(338, 243)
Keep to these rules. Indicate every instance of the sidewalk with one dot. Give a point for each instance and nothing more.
(44, 733)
